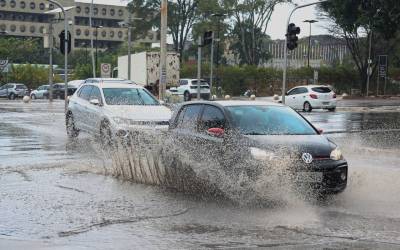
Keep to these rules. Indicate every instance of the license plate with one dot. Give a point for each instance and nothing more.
(325, 103)
(311, 177)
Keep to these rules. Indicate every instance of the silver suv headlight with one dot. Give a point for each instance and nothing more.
(336, 154)
(261, 154)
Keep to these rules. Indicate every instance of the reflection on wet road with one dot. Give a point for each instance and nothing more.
(55, 194)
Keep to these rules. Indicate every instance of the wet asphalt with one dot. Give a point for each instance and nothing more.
(57, 194)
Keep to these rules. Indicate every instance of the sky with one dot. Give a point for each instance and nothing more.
(276, 28)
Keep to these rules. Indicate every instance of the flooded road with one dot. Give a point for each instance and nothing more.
(56, 194)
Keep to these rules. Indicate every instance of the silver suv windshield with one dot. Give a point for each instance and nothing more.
(128, 96)
(269, 120)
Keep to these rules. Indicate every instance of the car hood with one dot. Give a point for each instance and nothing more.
(140, 113)
(317, 145)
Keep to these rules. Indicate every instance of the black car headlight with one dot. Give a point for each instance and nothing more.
(336, 154)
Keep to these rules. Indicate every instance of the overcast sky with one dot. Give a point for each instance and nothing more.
(277, 25)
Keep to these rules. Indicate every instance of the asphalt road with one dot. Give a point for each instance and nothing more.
(56, 194)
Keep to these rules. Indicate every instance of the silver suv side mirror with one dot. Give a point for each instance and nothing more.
(95, 102)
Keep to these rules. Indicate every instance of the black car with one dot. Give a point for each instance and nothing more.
(59, 91)
(246, 136)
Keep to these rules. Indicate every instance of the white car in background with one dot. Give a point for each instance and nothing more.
(40, 92)
(311, 97)
(114, 109)
(188, 88)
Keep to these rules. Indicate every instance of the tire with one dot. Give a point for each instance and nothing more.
(11, 96)
(186, 96)
(105, 134)
(72, 131)
(332, 109)
(33, 96)
(307, 107)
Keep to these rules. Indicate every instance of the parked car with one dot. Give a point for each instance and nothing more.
(114, 109)
(188, 88)
(13, 90)
(311, 97)
(40, 92)
(108, 80)
(59, 91)
(245, 136)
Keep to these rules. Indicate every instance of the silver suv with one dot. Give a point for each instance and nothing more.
(13, 90)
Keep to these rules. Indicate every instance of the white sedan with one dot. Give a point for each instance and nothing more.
(114, 109)
(311, 97)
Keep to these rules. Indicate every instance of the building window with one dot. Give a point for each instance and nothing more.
(94, 33)
(13, 3)
(104, 11)
(120, 34)
(1, 16)
(78, 9)
(2, 3)
(87, 10)
(51, 6)
(78, 32)
(41, 29)
(42, 6)
(20, 18)
(87, 32)
(120, 12)
(95, 11)
(111, 33)
(32, 29)
(103, 33)
(22, 28)
(112, 12)
(13, 28)
(3, 27)
(32, 5)
(22, 5)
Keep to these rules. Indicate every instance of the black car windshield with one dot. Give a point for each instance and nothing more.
(269, 120)
(128, 96)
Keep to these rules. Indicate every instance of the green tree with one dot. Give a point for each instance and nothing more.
(358, 21)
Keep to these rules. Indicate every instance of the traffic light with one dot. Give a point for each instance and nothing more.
(292, 32)
(62, 42)
(207, 38)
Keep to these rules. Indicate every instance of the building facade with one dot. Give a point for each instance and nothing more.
(27, 18)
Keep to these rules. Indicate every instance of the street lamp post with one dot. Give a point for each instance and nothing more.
(219, 15)
(129, 25)
(97, 34)
(309, 40)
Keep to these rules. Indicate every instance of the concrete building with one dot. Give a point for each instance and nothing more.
(27, 18)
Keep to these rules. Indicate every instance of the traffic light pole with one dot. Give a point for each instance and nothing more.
(285, 50)
(65, 53)
(198, 67)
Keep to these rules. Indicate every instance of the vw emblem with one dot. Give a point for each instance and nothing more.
(307, 158)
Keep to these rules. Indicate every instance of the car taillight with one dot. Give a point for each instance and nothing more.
(313, 96)
(334, 95)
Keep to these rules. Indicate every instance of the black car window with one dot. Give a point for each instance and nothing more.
(85, 92)
(190, 117)
(212, 117)
(302, 90)
(321, 89)
(293, 91)
(95, 94)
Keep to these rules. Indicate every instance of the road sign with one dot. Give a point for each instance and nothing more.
(382, 65)
(3, 64)
(105, 70)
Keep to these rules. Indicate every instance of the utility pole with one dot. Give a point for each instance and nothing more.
(51, 60)
(369, 71)
(97, 34)
(198, 67)
(91, 39)
(129, 47)
(212, 63)
(163, 52)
